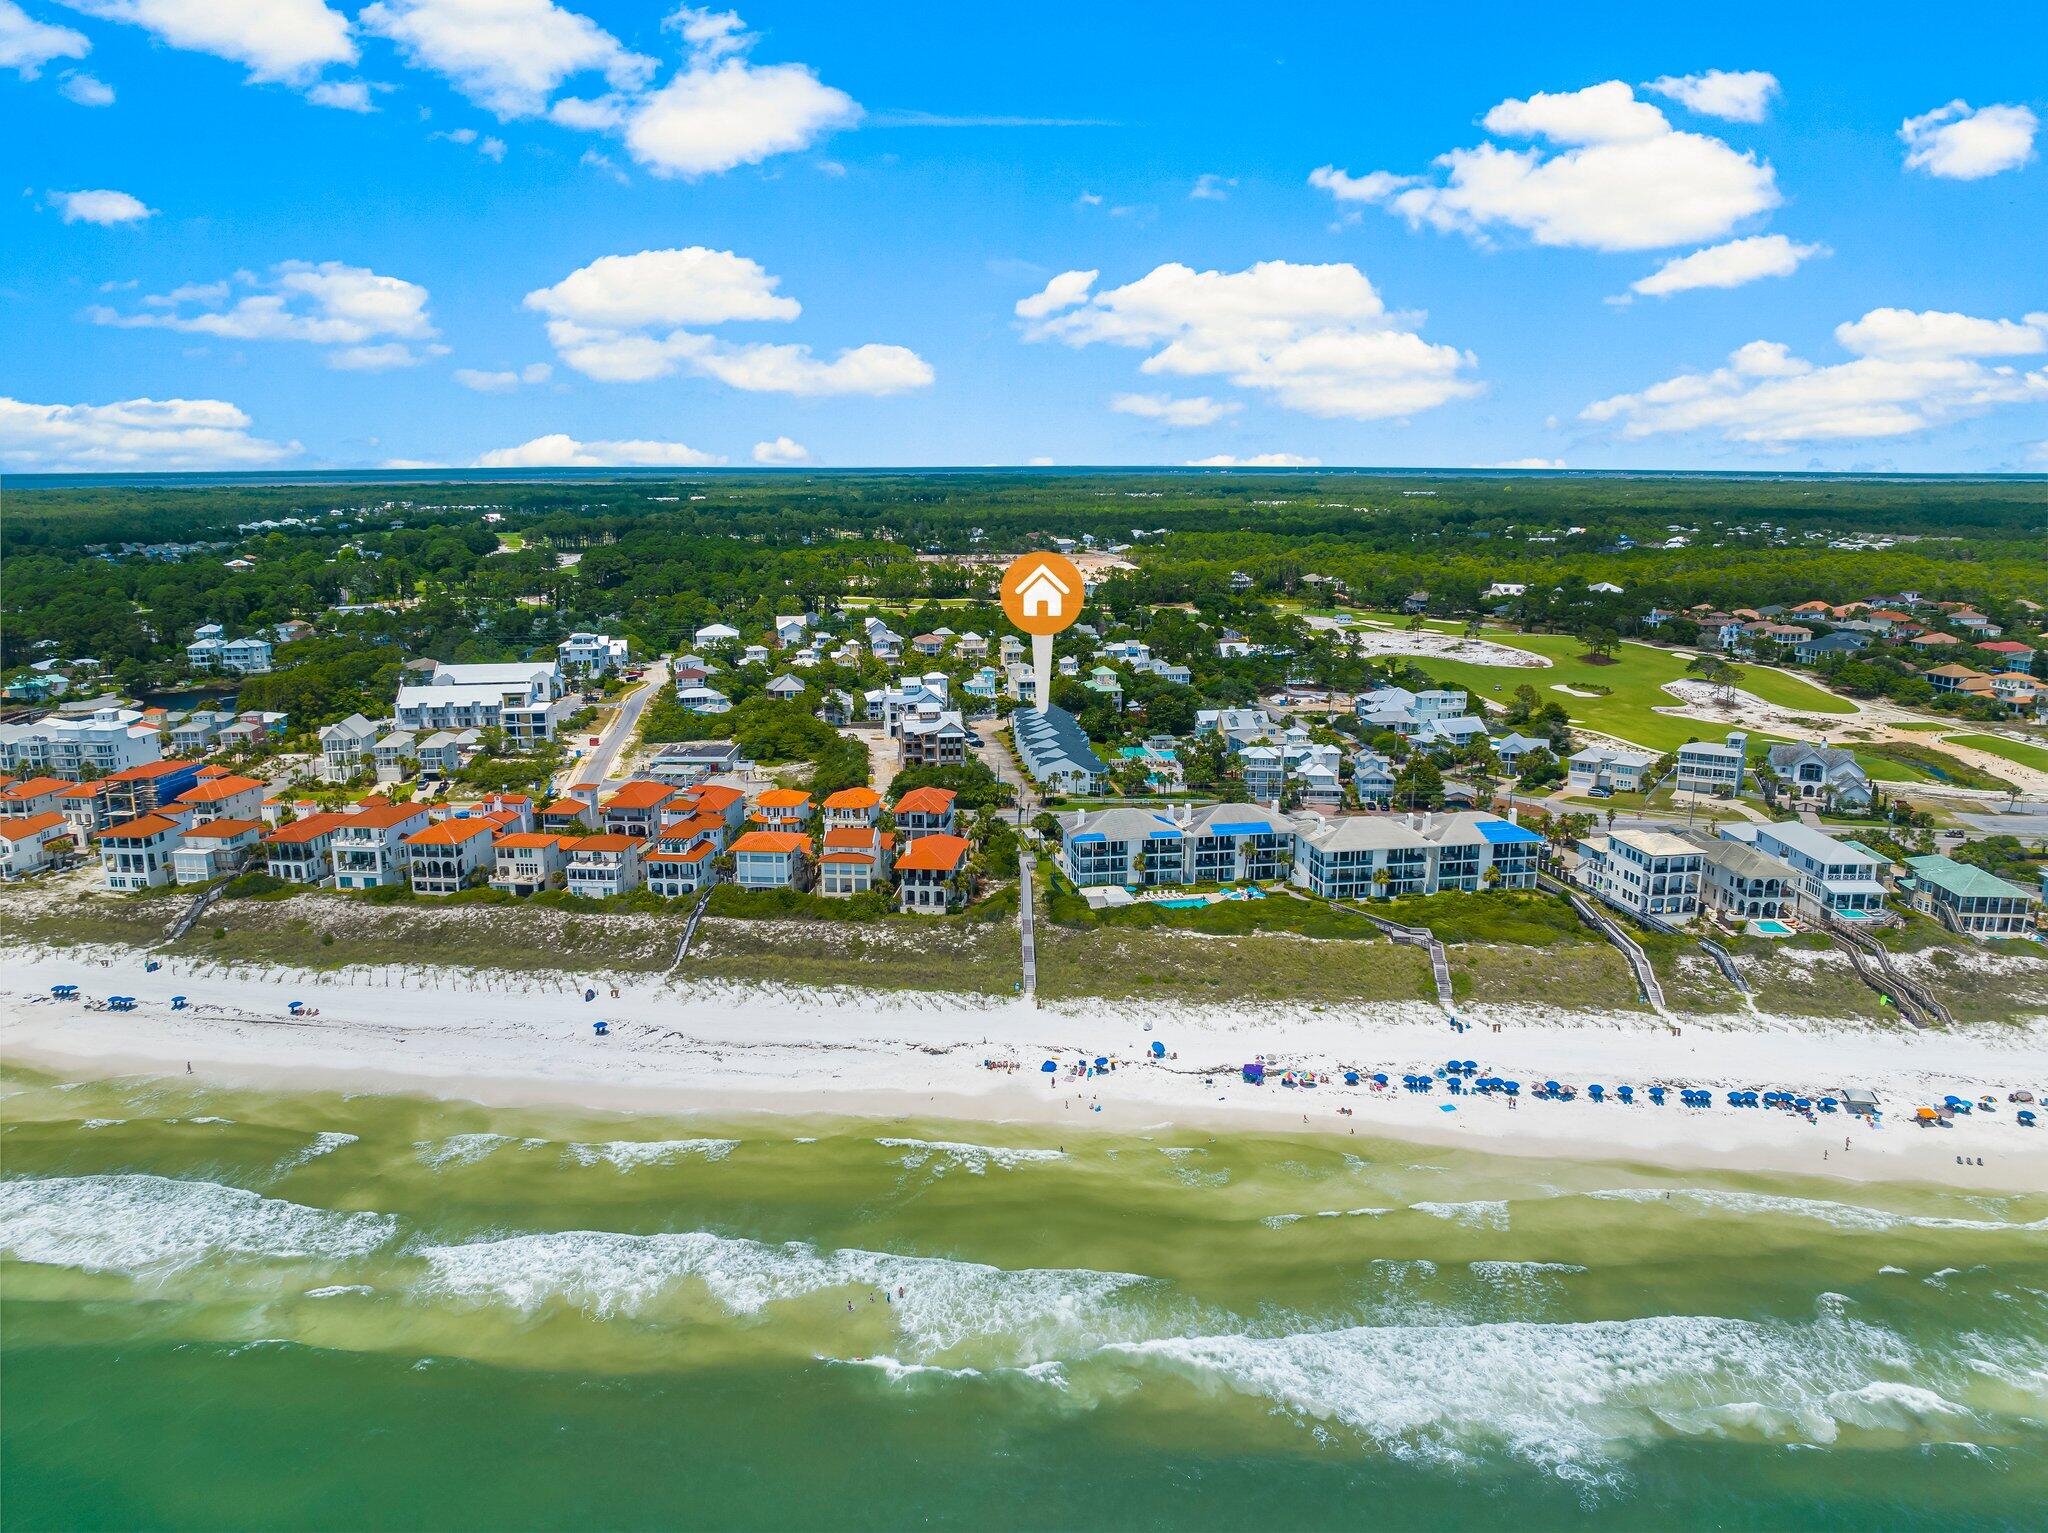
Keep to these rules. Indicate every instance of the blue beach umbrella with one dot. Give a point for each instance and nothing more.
(1158, 1050)
(1351, 1077)
(1050, 1068)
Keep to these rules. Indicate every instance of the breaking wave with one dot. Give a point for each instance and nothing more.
(625, 1154)
(975, 1159)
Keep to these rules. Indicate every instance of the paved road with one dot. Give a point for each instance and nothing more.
(597, 766)
(1026, 865)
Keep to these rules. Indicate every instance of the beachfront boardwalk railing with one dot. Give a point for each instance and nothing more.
(1647, 983)
(1874, 966)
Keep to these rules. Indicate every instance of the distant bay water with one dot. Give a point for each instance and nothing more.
(229, 1310)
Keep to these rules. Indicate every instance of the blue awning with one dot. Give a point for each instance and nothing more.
(1502, 833)
(1242, 828)
(1092, 835)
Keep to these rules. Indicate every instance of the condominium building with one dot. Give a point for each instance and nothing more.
(1646, 872)
(1834, 877)
(1971, 900)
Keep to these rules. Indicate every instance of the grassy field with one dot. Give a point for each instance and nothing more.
(1880, 767)
(1924, 727)
(1635, 680)
(2034, 756)
(1114, 963)
(1927, 765)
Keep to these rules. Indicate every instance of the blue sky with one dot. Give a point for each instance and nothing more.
(327, 233)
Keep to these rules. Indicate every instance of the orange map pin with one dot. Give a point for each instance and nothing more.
(1042, 593)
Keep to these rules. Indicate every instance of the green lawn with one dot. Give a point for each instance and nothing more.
(2011, 750)
(1924, 727)
(1881, 768)
(1922, 763)
(1635, 681)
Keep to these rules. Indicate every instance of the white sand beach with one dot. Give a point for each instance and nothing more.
(730, 1050)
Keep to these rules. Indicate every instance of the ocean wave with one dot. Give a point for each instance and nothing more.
(944, 1302)
(1845, 1216)
(1478, 1214)
(324, 1143)
(975, 1159)
(141, 1223)
(459, 1149)
(1574, 1398)
(626, 1154)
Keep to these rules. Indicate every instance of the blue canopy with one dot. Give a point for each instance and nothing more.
(1050, 1068)
(1351, 1077)
(1158, 1050)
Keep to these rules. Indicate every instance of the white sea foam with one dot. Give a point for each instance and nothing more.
(1573, 1398)
(943, 1304)
(1479, 1214)
(202, 1119)
(1845, 1216)
(459, 1149)
(628, 1153)
(336, 1290)
(975, 1159)
(324, 1143)
(102, 1122)
(137, 1223)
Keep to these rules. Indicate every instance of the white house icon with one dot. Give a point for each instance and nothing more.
(1043, 594)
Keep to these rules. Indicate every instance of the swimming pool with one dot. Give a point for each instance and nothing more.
(1188, 903)
(1770, 928)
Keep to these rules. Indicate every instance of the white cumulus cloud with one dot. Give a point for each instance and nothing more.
(1257, 460)
(631, 318)
(1729, 265)
(133, 433)
(1617, 176)
(1062, 292)
(1317, 339)
(1739, 95)
(782, 450)
(715, 116)
(502, 382)
(102, 207)
(559, 450)
(26, 44)
(85, 90)
(342, 95)
(369, 320)
(1961, 143)
(282, 40)
(1198, 411)
(1908, 371)
(508, 56)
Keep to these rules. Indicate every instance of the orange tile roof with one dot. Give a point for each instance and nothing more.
(87, 790)
(214, 830)
(691, 829)
(36, 787)
(527, 841)
(451, 832)
(696, 853)
(383, 816)
(145, 825)
(854, 798)
(926, 801)
(215, 789)
(212, 771)
(852, 838)
(146, 770)
(35, 824)
(564, 806)
(784, 841)
(847, 859)
(311, 828)
(640, 794)
(783, 798)
(604, 843)
(934, 854)
(716, 796)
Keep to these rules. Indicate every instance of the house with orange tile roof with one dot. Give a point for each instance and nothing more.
(931, 875)
(772, 859)
(852, 807)
(301, 851)
(224, 797)
(33, 796)
(567, 815)
(635, 810)
(450, 855)
(782, 809)
(1933, 641)
(28, 843)
(853, 860)
(1956, 677)
(84, 808)
(604, 865)
(214, 849)
(369, 846)
(924, 812)
(528, 861)
(710, 798)
(136, 854)
(684, 857)
(2018, 689)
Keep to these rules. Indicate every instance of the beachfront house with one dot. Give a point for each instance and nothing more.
(451, 855)
(1704, 767)
(369, 847)
(528, 861)
(35, 796)
(1740, 883)
(1645, 872)
(598, 867)
(684, 858)
(931, 875)
(1178, 844)
(1833, 877)
(137, 853)
(1970, 900)
(301, 851)
(853, 809)
(28, 845)
(1357, 857)
(853, 860)
(214, 850)
(772, 859)
(924, 812)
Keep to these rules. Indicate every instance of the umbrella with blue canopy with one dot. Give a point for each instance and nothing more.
(1158, 1050)
(1050, 1068)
